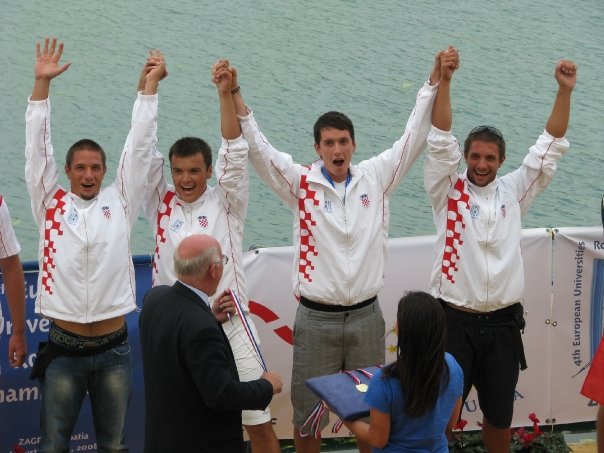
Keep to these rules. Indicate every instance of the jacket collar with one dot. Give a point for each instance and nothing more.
(196, 203)
(484, 189)
(316, 175)
(190, 294)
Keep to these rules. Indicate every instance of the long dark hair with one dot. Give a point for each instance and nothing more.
(420, 357)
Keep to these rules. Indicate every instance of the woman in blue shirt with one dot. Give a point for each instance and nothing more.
(417, 398)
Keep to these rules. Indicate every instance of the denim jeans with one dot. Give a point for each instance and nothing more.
(107, 377)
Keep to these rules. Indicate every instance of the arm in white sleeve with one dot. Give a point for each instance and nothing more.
(232, 176)
(41, 175)
(393, 164)
(135, 162)
(440, 166)
(537, 168)
(276, 169)
(157, 186)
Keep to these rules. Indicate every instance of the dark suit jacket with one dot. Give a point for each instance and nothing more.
(193, 397)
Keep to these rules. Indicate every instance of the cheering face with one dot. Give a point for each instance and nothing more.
(335, 150)
(483, 162)
(190, 176)
(86, 173)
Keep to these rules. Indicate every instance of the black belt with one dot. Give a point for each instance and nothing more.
(73, 342)
(62, 343)
(335, 308)
(512, 312)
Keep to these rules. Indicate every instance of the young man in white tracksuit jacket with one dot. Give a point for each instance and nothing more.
(478, 270)
(86, 279)
(191, 206)
(341, 221)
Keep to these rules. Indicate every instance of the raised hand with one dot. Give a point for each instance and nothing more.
(153, 72)
(449, 63)
(222, 76)
(566, 74)
(47, 60)
(156, 65)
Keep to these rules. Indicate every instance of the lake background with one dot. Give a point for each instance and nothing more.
(297, 60)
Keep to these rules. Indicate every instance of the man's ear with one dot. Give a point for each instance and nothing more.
(213, 270)
(318, 152)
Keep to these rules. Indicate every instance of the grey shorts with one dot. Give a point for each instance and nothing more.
(328, 342)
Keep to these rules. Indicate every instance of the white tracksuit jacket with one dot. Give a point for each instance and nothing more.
(86, 272)
(340, 247)
(219, 212)
(478, 259)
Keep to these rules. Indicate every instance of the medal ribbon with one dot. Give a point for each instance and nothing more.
(338, 424)
(314, 421)
(248, 330)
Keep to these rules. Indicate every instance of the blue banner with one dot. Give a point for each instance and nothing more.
(20, 396)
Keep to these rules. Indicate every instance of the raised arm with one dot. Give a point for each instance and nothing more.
(539, 165)
(231, 168)
(41, 175)
(47, 67)
(157, 184)
(240, 106)
(566, 76)
(393, 164)
(444, 155)
(139, 150)
(441, 112)
(275, 168)
(222, 76)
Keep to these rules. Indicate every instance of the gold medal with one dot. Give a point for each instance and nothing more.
(362, 387)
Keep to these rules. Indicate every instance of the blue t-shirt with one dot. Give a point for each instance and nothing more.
(420, 434)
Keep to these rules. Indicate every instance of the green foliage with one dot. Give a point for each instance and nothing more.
(467, 442)
(523, 440)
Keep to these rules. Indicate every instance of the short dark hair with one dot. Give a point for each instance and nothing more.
(487, 134)
(335, 120)
(81, 145)
(189, 146)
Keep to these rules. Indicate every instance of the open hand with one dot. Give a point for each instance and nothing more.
(47, 60)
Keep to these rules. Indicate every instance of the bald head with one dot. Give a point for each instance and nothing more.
(194, 256)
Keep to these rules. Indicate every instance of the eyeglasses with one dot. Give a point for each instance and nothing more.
(225, 259)
(493, 130)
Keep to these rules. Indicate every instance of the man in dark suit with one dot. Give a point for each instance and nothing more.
(192, 391)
